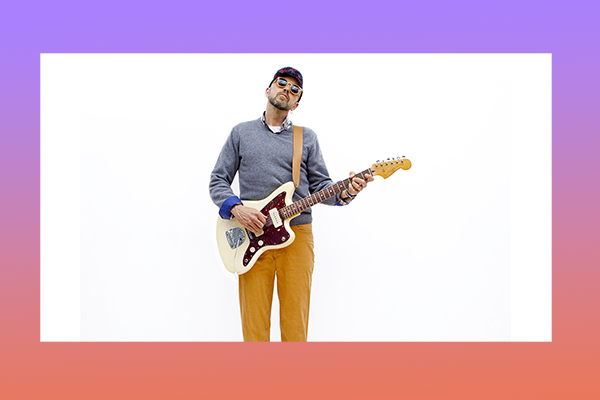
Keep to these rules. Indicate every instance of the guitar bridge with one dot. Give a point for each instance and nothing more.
(235, 237)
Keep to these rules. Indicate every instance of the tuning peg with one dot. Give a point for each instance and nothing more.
(377, 161)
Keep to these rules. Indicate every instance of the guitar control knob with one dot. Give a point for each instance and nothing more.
(283, 238)
(252, 249)
(260, 242)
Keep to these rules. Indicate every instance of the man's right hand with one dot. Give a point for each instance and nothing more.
(250, 218)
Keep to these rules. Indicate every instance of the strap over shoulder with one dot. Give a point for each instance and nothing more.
(297, 155)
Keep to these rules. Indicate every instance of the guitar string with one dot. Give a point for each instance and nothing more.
(305, 203)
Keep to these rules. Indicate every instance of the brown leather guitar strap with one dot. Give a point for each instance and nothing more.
(297, 155)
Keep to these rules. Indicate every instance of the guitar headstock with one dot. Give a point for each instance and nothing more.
(389, 166)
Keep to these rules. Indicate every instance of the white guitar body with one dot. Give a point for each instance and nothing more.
(239, 248)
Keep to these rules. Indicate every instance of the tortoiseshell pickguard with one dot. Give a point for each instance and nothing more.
(271, 236)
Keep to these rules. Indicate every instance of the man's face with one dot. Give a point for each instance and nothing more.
(282, 98)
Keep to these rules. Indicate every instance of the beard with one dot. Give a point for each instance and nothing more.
(279, 104)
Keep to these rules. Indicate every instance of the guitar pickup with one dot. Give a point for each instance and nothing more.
(275, 217)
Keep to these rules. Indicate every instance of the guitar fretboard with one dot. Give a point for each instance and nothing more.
(322, 195)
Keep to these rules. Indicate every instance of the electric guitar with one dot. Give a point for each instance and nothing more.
(240, 248)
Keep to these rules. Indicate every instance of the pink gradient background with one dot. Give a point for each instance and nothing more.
(567, 368)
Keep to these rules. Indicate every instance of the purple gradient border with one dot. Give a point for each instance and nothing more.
(568, 30)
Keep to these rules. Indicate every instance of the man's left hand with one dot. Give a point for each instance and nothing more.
(358, 184)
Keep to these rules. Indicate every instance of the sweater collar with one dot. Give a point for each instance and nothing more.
(284, 127)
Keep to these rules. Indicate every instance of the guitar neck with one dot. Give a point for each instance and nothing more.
(297, 207)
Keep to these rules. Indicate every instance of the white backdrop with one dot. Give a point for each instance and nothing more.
(458, 248)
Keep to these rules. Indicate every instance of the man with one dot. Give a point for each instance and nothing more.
(261, 152)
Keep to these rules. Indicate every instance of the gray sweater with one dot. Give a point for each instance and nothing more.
(263, 160)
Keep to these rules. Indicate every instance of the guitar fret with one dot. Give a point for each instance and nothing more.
(324, 194)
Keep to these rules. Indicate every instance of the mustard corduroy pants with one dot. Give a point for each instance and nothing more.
(293, 267)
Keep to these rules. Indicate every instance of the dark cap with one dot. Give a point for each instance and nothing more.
(288, 71)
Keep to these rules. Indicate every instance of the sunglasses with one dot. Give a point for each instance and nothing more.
(295, 89)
